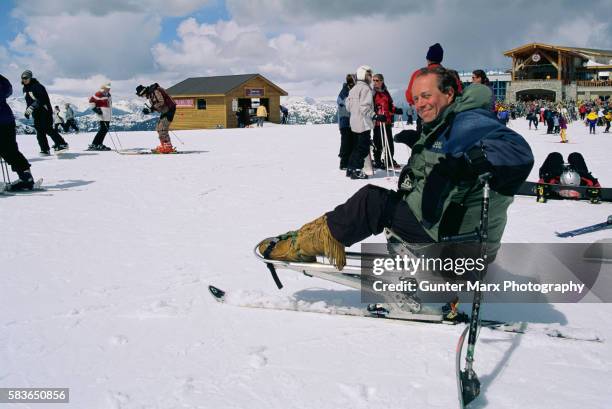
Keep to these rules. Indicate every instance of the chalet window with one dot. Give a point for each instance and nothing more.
(201, 103)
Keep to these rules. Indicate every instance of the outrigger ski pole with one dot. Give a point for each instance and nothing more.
(467, 381)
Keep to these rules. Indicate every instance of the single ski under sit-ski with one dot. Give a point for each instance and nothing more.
(588, 229)
(6, 188)
(257, 300)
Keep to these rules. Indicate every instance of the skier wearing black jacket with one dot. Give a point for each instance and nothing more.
(40, 108)
(9, 151)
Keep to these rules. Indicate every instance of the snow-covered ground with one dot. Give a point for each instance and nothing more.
(104, 286)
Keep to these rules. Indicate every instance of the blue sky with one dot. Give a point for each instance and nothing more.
(9, 27)
(307, 47)
(209, 14)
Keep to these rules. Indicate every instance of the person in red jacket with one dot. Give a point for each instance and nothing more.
(383, 104)
(434, 57)
(101, 103)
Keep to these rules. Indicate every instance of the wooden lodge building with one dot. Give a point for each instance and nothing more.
(213, 102)
(558, 73)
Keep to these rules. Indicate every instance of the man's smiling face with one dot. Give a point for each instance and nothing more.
(428, 99)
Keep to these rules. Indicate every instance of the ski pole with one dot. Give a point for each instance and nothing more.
(5, 172)
(113, 142)
(383, 138)
(118, 139)
(389, 152)
(111, 133)
(174, 135)
(387, 148)
(469, 385)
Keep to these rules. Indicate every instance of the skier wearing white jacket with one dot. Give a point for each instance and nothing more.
(360, 104)
(101, 103)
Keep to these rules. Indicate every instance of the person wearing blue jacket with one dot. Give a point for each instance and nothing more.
(9, 151)
(347, 137)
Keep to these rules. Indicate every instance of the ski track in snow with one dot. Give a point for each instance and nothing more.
(104, 285)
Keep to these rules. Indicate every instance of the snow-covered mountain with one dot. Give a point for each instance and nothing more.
(127, 114)
(306, 110)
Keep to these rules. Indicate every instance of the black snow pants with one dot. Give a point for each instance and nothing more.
(102, 131)
(348, 140)
(44, 127)
(360, 151)
(369, 211)
(9, 151)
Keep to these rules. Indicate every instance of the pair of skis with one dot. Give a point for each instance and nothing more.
(142, 151)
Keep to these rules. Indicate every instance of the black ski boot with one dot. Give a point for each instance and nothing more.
(378, 165)
(25, 182)
(577, 162)
(358, 174)
(552, 168)
(60, 147)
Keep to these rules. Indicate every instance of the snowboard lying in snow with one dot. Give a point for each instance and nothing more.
(564, 192)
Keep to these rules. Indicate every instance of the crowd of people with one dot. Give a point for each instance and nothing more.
(556, 116)
(48, 120)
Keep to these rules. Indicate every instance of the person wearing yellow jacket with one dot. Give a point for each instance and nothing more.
(608, 119)
(262, 113)
(591, 120)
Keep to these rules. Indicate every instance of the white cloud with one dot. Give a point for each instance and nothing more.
(104, 7)
(84, 45)
(306, 47)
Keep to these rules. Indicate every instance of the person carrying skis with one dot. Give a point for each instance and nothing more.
(39, 107)
(438, 192)
(384, 106)
(161, 102)
(9, 151)
(70, 121)
(102, 104)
